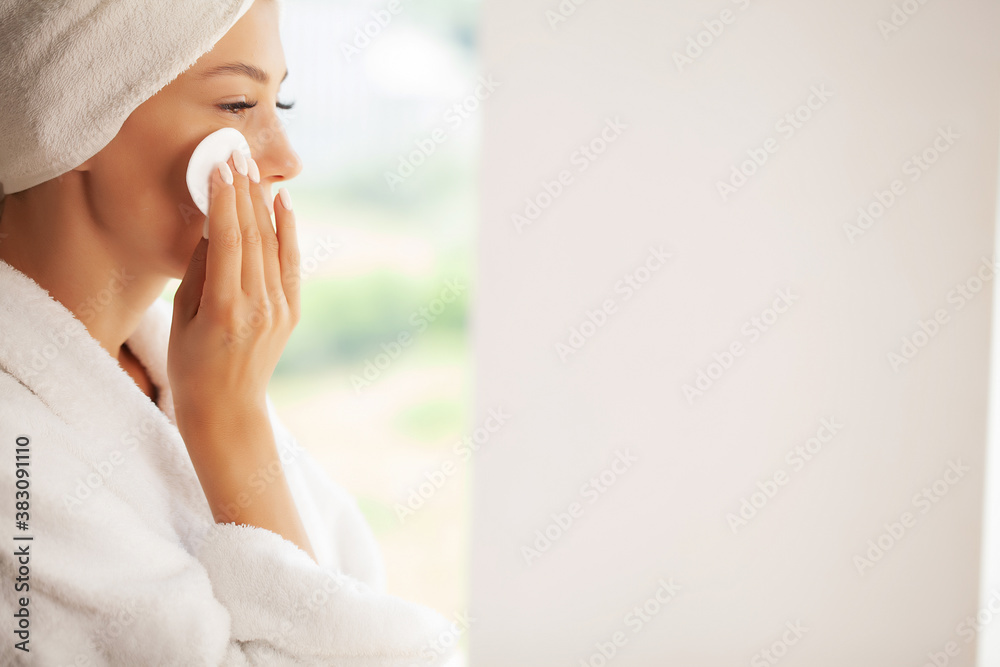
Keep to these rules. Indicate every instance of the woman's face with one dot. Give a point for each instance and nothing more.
(137, 187)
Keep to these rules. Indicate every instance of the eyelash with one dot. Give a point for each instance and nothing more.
(236, 107)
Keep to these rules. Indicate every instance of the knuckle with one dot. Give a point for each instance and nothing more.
(292, 278)
(251, 236)
(270, 244)
(262, 307)
(293, 263)
(276, 295)
(231, 238)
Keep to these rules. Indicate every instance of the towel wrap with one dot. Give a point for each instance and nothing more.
(72, 71)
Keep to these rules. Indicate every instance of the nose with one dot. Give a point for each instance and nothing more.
(274, 154)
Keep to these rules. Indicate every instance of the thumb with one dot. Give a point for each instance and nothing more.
(188, 295)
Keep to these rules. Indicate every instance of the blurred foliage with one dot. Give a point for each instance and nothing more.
(346, 321)
(380, 515)
(432, 420)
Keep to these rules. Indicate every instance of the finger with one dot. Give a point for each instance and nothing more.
(288, 249)
(252, 274)
(225, 242)
(187, 298)
(269, 238)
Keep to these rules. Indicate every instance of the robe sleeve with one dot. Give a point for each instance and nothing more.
(339, 534)
(335, 610)
(111, 583)
(282, 603)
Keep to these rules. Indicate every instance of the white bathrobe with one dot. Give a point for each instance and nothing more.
(126, 565)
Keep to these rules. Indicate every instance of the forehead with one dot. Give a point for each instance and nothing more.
(254, 40)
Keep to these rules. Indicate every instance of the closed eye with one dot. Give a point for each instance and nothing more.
(237, 107)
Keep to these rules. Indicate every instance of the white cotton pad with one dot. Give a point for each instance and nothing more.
(213, 149)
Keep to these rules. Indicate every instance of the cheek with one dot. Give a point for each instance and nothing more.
(141, 203)
(139, 188)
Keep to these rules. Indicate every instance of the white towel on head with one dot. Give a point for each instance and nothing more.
(71, 72)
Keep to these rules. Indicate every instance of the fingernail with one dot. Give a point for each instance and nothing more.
(226, 173)
(254, 171)
(240, 161)
(286, 199)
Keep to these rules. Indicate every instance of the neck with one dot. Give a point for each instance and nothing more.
(81, 266)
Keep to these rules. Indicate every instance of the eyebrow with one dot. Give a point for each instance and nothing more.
(242, 69)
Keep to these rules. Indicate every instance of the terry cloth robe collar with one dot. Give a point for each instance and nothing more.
(48, 350)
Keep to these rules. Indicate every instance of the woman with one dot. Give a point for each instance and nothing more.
(166, 517)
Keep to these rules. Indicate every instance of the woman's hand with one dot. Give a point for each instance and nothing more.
(233, 314)
(238, 302)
